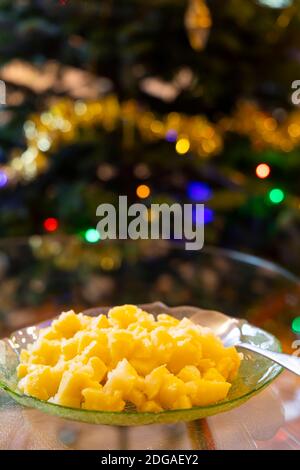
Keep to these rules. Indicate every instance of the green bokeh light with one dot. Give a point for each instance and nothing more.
(92, 235)
(276, 195)
(296, 325)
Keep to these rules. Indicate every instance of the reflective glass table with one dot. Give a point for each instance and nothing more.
(41, 276)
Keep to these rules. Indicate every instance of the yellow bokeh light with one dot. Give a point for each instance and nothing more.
(182, 145)
(143, 191)
(270, 124)
(157, 127)
(294, 130)
(107, 263)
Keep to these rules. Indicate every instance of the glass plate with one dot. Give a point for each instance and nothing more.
(254, 375)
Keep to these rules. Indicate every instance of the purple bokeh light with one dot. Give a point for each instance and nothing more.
(3, 179)
(171, 135)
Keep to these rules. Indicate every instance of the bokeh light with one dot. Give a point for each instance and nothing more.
(296, 325)
(51, 224)
(92, 235)
(263, 170)
(198, 191)
(276, 3)
(209, 216)
(171, 135)
(276, 195)
(3, 179)
(143, 191)
(182, 146)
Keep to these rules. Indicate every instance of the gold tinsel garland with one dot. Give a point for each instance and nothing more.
(65, 119)
(198, 23)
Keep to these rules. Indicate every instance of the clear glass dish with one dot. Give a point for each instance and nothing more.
(254, 375)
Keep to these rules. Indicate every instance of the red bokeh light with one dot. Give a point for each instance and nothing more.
(51, 224)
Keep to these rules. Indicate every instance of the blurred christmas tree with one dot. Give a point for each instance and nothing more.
(164, 100)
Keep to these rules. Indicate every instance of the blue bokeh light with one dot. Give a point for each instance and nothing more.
(209, 216)
(3, 179)
(198, 191)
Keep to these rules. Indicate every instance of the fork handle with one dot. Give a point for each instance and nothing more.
(292, 363)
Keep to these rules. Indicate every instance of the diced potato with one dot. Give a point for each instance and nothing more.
(182, 403)
(69, 348)
(144, 366)
(46, 352)
(213, 375)
(204, 392)
(122, 379)
(205, 364)
(150, 406)
(167, 320)
(164, 345)
(68, 324)
(172, 389)
(102, 363)
(99, 348)
(100, 322)
(71, 386)
(97, 399)
(121, 345)
(189, 373)
(184, 353)
(98, 367)
(22, 370)
(137, 397)
(41, 383)
(154, 381)
(24, 356)
(123, 316)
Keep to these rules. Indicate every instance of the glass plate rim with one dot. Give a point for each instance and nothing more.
(228, 404)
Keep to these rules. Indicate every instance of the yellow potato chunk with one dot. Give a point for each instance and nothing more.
(184, 353)
(213, 375)
(144, 366)
(22, 370)
(98, 368)
(127, 358)
(167, 320)
(122, 379)
(137, 398)
(99, 348)
(69, 348)
(164, 345)
(204, 392)
(172, 389)
(97, 399)
(71, 386)
(68, 324)
(154, 380)
(189, 373)
(24, 356)
(42, 382)
(45, 352)
(182, 403)
(121, 345)
(123, 316)
(99, 322)
(150, 406)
